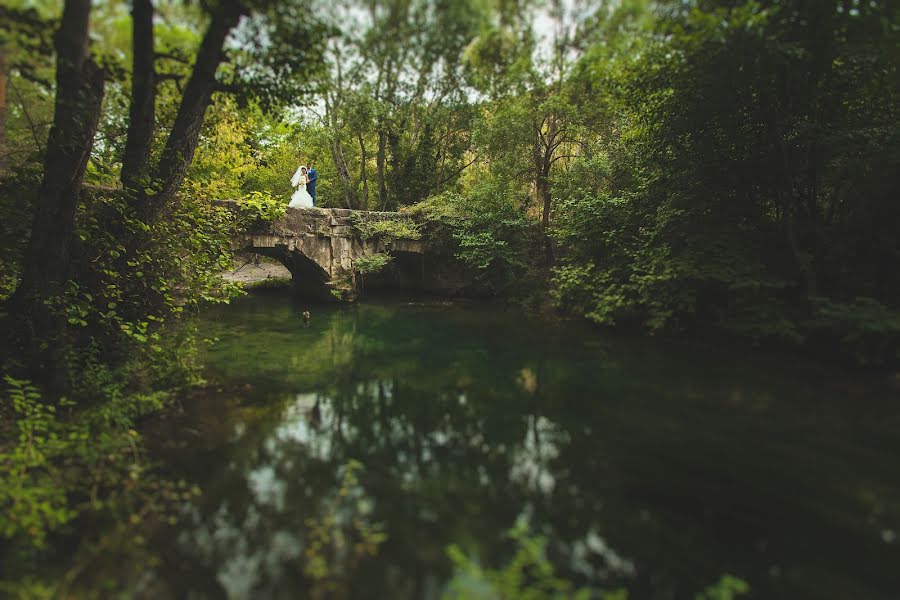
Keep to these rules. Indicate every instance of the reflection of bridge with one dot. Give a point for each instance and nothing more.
(319, 246)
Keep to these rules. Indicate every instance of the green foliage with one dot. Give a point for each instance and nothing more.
(499, 60)
(257, 208)
(395, 124)
(491, 234)
(26, 40)
(224, 158)
(703, 206)
(124, 296)
(366, 265)
(388, 229)
(529, 575)
(487, 231)
(675, 202)
(440, 208)
(17, 195)
(727, 588)
(78, 462)
(73, 472)
(32, 501)
(864, 329)
(245, 151)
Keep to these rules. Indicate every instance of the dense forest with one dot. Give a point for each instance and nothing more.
(720, 168)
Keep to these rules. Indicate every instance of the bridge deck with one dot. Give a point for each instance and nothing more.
(316, 211)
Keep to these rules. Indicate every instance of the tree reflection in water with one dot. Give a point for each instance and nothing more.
(378, 437)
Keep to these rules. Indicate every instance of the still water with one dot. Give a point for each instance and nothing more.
(342, 458)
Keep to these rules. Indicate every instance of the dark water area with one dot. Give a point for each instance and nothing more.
(342, 458)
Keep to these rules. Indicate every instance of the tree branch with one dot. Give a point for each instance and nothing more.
(454, 174)
(563, 156)
(31, 125)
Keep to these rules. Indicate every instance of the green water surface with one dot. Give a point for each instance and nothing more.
(341, 458)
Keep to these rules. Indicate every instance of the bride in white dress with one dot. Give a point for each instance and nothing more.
(301, 197)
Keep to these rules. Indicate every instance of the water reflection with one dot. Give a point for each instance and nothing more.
(380, 435)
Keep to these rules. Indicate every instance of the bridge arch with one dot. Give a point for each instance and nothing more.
(309, 278)
(319, 246)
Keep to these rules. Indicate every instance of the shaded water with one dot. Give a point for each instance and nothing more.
(343, 458)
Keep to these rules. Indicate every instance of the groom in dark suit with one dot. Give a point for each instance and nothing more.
(311, 184)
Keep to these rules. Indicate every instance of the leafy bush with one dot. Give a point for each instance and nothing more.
(388, 229)
(529, 575)
(32, 500)
(75, 474)
(702, 206)
(489, 233)
(134, 279)
(868, 331)
(366, 265)
(440, 208)
(256, 208)
(17, 194)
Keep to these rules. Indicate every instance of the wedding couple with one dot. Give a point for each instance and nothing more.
(304, 180)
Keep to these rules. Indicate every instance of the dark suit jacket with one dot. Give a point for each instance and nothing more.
(311, 185)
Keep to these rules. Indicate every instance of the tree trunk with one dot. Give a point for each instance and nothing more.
(337, 152)
(3, 151)
(541, 157)
(543, 191)
(542, 180)
(362, 171)
(182, 142)
(79, 95)
(544, 163)
(141, 119)
(379, 163)
(343, 171)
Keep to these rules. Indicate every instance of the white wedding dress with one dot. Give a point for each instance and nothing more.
(301, 197)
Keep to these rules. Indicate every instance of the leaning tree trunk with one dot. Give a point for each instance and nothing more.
(79, 94)
(141, 117)
(182, 142)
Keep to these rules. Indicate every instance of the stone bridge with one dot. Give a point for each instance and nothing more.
(321, 247)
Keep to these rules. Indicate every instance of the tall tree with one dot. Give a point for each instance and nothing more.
(142, 115)
(182, 140)
(79, 94)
